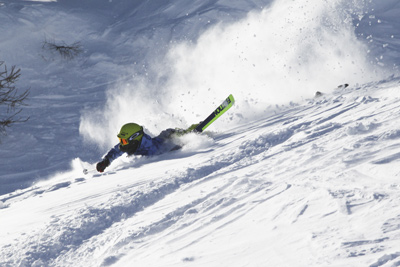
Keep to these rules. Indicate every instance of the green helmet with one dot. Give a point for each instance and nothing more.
(130, 133)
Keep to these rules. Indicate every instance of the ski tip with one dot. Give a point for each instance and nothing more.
(231, 98)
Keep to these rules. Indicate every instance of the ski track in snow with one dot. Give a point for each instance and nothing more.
(228, 192)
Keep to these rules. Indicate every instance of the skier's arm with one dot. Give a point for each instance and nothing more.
(166, 134)
(113, 154)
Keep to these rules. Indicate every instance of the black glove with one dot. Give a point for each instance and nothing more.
(102, 165)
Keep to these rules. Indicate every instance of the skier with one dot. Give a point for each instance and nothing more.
(134, 141)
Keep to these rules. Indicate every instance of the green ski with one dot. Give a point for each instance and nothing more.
(227, 104)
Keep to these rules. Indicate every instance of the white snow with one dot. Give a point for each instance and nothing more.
(282, 179)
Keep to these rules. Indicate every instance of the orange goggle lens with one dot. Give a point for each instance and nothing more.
(123, 141)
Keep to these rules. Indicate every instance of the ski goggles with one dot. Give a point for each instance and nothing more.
(123, 141)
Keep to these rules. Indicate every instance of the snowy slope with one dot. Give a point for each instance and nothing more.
(283, 179)
(314, 185)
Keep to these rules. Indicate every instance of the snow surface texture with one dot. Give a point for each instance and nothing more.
(283, 179)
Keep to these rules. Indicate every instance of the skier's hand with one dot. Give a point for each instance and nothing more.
(102, 165)
(180, 132)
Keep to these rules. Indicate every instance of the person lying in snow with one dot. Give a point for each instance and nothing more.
(134, 141)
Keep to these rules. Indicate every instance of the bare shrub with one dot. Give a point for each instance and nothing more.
(10, 99)
(65, 50)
